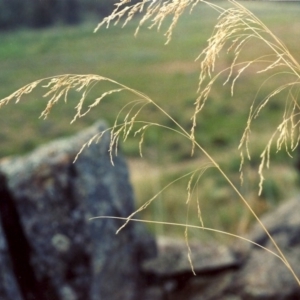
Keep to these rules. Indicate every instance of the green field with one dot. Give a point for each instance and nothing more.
(169, 75)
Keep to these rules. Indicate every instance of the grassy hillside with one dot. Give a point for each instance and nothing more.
(169, 75)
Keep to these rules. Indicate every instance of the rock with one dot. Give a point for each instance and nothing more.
(50, 250)
(241, 272)
(283, 224)
(171, 270)
(265, 276)
(172, 259)
(49, 200)
(9, 289)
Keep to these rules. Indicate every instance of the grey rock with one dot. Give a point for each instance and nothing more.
(212, 262)
(241, 272)
(173, 259)
(69, 256)
(265, 276)
(9, 289)
(283, 223)
(49, 249)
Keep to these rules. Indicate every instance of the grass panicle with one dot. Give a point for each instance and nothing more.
(236, 27)
(153, 11)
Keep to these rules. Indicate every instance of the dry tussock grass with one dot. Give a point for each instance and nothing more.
(235, 29)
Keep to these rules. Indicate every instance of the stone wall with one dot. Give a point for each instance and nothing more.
(241, 271)
(49, 249)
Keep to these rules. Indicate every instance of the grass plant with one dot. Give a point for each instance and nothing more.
(225, 60)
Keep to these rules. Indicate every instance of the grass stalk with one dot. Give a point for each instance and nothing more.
(236, 26)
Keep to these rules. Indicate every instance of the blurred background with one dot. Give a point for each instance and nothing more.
(51, 37)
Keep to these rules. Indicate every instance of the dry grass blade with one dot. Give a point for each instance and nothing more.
(193, 226)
